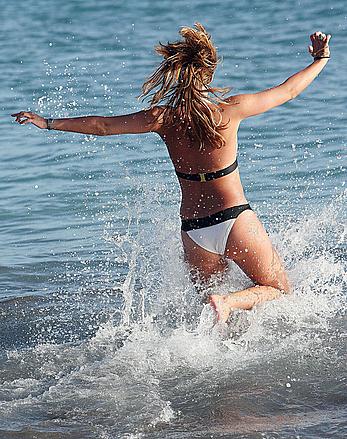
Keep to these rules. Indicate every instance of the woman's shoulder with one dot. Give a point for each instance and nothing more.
(231, 100)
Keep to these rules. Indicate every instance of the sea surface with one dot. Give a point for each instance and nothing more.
(102, 334)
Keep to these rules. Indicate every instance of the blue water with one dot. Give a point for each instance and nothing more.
(101, 332)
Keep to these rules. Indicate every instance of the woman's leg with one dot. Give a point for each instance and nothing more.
(250, 247)
(203, 264)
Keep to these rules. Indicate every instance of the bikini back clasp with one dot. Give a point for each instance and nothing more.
(208, 176)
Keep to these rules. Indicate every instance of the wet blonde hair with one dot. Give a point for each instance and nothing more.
(182, 82)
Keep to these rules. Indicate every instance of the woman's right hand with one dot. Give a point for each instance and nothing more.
(320, 45)
(25, 117)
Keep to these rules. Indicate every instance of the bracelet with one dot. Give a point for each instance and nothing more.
(50, 124)
(320, 57)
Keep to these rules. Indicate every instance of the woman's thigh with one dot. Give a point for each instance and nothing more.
(203, 264)
(250, 247)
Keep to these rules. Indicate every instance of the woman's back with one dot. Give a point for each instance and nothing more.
(203, 198)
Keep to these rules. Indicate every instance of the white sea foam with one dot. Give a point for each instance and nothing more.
(124, 371)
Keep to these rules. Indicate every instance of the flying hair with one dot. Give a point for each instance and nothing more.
(182, 82)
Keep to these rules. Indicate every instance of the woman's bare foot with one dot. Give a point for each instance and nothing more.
(220, 305)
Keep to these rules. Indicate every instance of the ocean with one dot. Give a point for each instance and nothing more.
(102, 334)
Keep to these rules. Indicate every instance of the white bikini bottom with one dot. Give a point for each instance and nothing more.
(212, 232)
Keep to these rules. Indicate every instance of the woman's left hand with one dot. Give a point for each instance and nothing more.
(320, 45)
(25, 117)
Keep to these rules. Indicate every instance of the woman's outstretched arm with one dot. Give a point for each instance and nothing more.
(140, 122)
(246, 105)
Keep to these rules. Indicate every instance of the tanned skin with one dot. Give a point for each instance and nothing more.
(248, 244)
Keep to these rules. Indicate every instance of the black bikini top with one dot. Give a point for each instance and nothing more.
(207, 176)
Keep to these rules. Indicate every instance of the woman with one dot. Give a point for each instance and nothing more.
(200, 127)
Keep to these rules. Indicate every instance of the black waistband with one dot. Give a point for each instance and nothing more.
(207, 176)
(215, 218)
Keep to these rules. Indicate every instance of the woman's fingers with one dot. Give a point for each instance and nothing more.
(25, 121)
(23, 117)
(319, 42)
(320, 37)
(319, 47)
(22, 114)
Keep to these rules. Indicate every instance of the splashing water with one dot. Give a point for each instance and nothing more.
(149, 360)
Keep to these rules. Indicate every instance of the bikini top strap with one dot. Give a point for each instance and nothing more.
(207, 176)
